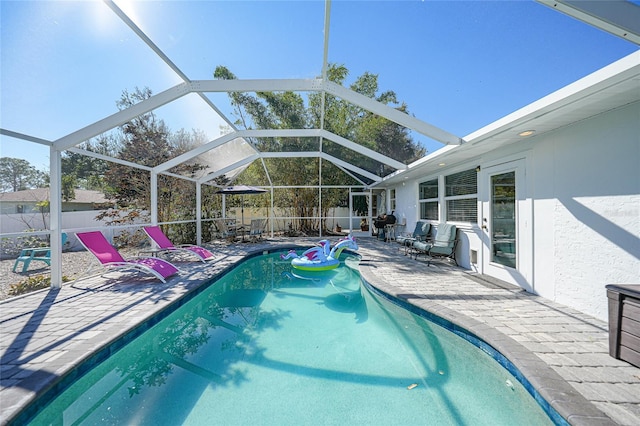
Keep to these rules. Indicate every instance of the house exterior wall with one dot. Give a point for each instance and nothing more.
(27, 207)
(587, 209)
(10, 207)
(583, 190)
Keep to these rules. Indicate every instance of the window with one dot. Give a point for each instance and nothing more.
(428, 199)
(392, 199)
(461, 196)
(19, 208)
(462, 210)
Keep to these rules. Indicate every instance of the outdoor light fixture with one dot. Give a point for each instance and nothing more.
(526, 133)
(442, 164)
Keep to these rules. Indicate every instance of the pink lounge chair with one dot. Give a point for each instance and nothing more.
(110, 258)
(164, 244)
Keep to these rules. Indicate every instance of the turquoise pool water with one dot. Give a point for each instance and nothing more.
(266, 347)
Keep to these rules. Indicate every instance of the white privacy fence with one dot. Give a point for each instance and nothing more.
(25, 229)
(21, 222)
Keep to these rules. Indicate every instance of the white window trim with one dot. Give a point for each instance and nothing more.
(428, 200)
(442, 192)
(392, 198)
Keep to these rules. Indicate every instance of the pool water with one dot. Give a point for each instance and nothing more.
(265, 345)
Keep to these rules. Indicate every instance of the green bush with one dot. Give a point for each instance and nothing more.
(10, 247)
(33, 283)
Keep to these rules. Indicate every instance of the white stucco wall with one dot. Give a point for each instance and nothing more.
(587, 209)
(583, 182)
(407, 203)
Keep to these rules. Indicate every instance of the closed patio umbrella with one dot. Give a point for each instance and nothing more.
(241, 190)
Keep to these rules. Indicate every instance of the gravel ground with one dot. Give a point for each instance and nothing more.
(73, 265)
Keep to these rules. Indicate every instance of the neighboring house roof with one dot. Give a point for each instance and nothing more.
(82, 196)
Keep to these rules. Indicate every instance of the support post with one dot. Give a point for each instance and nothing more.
(55, 217)
(272, 213)
(154, 198)
(198, 213)
(350, 210)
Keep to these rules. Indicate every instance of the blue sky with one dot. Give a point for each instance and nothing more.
(459, 65)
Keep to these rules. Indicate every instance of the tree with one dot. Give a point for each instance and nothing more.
(147, 141)
(68, 187)
(17, 175)
(287, 110)
(144, 141)
(363, 127)
(86, 172)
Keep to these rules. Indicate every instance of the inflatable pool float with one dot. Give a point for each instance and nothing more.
(321, 257)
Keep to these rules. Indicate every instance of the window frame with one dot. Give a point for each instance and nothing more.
(472, 215)
(392, 199)
(423, 201)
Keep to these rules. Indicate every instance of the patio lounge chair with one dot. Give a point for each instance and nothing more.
(224, 230)
(166, 246)
(42, 254)
(255, 232)
(110, 258)
(420, 233)
(444, 243)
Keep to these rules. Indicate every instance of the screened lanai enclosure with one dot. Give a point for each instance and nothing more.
(159, 105)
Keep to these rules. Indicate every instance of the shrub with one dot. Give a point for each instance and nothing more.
(33, 283)
(10, 247)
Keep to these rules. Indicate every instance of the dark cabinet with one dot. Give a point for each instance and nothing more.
(624, 322)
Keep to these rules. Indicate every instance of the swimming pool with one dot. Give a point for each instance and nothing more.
(266, 345)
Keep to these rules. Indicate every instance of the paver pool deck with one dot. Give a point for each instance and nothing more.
(562, 352)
